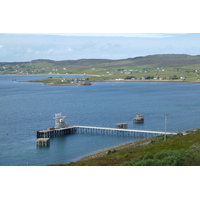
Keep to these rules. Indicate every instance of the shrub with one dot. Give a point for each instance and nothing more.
(112, 151)
(171, 160)
(149, 156)
(162, 155)
(147, 162)
(179, 134)
(165, 158)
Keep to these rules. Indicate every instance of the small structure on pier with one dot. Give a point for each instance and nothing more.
(122, 125)
(59, 130)
(139, 119)
(43, 142)
(59, 121)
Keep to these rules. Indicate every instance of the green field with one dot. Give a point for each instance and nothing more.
(164, 67)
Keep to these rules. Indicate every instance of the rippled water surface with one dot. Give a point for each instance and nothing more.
(28, 107)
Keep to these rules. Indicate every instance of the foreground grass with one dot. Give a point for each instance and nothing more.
(184, 148)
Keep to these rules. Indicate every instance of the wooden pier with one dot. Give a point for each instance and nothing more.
(55, 132)
(52, 132)
(118, 131)
(62, 129)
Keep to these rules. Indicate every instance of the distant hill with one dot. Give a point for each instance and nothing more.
(167, 60)
(164, 60)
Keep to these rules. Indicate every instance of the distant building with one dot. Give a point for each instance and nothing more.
(182, 78)
(119, 79)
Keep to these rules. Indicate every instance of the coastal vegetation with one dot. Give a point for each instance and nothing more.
(172, 67)
(182, 149)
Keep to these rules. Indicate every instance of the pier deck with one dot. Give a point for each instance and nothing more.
(52, 132)
(127, 130)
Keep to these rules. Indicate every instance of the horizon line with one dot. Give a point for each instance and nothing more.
(132, 35)
(98, 58)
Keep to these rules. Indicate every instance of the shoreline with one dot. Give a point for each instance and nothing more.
(93, 75)
(121, 147)
(150, 81)
(52, 84)
(165, 81)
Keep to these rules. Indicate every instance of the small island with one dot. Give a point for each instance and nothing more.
(63, 81)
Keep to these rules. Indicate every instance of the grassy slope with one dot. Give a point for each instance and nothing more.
(189, 142)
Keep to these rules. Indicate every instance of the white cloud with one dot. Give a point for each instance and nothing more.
(69, 49)
(50, 50)
(1, 46)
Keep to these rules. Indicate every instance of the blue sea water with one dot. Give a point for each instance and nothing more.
(28, 107)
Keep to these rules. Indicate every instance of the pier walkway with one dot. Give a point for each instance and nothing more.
(53, 132)
(116, 131)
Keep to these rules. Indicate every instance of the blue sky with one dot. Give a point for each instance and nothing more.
(69, 46)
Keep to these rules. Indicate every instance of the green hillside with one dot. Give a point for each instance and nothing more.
(180, 150)
(167, 66)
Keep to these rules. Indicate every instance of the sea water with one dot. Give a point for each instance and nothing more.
(27, 107)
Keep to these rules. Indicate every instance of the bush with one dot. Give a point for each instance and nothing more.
(173, 160)
(162, 155)
(147, 162)
(149, 156)
(165, 158)
(112, 151)
(179, 134)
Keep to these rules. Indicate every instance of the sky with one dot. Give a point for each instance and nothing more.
(17, 47)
